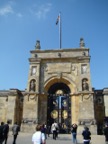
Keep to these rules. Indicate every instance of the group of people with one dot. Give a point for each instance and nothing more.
(85, 133)
(4, 132)
(40, 136)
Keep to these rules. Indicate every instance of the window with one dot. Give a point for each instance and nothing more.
(83, 68)
(33, 71)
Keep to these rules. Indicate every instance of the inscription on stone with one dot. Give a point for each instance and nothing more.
(58, 67)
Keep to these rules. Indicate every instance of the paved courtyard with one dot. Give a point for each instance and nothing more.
(25, 138)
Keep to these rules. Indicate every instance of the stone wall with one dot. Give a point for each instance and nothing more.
(11, 106)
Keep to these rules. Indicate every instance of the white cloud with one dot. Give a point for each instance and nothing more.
(19, 15)
(6, 10)
(41, 11)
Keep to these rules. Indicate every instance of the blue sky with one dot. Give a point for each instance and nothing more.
(24, 22)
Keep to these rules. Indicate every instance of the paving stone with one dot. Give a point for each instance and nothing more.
(25, 138)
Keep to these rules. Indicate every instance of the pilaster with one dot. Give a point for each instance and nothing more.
(30, 112)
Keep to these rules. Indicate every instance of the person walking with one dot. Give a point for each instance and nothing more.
(54, 129)
(106, 134)
(86, 135)
(44, 130)
(74, 133)
(15, 130)
(6, 131)
(1, 132)
(48, 130)
(38, 137)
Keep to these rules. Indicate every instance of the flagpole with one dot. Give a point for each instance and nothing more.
(59, 21)
(60, 41)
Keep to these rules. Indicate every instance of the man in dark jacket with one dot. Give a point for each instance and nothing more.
(6, 131)
(1, 132)
(15, 130)
(86, 135)
(106, 133)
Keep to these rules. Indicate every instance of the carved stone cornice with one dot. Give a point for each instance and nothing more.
(60, 50)
(82, 93)
(105, 91)
(35, 60)
(87, 122)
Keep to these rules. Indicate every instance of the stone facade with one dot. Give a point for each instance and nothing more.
(70, 67)
(11, 106)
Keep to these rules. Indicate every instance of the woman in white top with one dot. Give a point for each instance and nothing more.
(38, 137)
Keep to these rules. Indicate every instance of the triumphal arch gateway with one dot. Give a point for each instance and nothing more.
(58, 88)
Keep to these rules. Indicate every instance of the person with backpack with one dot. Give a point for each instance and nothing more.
(54, 129)
(15, 130)
(6, 131)
(86, 135)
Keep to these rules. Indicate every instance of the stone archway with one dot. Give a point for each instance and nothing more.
(52, 80)
(59, 106)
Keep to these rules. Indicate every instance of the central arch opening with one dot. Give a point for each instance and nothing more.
(59, 106)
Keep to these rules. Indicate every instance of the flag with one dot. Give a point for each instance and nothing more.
(58, 18)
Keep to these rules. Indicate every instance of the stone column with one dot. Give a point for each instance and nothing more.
(74, 109)
(30, 112)
(42, 109)
(86, 113)
(3, 108)
(11, 109)
(105, 93)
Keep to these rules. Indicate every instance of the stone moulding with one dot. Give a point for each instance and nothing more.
(29, 121)
(87, 122)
